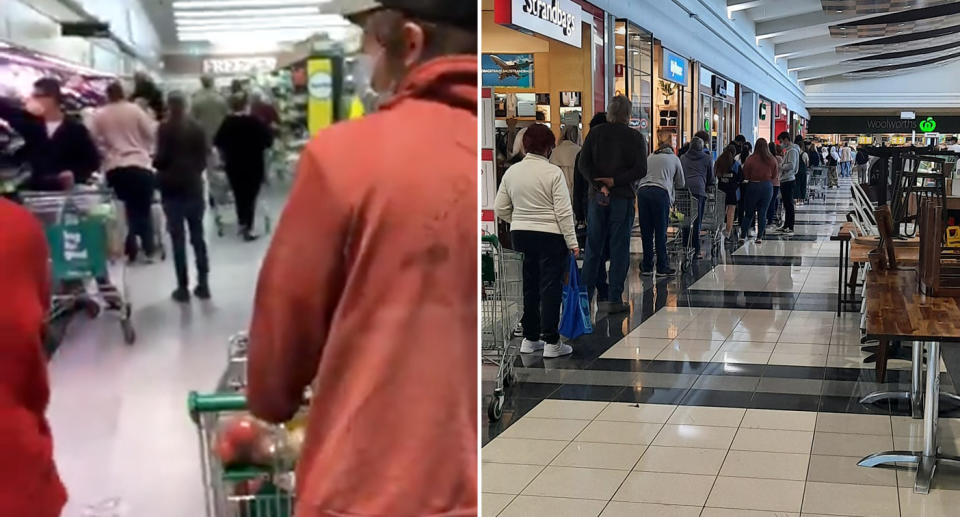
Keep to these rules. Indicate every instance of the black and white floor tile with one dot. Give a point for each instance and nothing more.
(730, 390)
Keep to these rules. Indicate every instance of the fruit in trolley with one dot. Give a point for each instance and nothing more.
(244, 440)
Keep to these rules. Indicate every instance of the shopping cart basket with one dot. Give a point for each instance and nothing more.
(84, 240)
(682, 214)
(221, 201)
(817, 182)
(244, 491)
(265, 490)
(714, 218)
(501, 308)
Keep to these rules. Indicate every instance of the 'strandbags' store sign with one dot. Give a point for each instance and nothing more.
(557, 19)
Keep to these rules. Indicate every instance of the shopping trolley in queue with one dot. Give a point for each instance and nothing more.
(85, 239)
(501, 308)
(220, 196)
(714, 218)
(681, 217)
(257, 489)
(817, 182)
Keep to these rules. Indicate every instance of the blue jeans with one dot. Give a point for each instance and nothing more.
(772, 207)
(757, 197)
(186, 214)
(653, 207)
(608, 225)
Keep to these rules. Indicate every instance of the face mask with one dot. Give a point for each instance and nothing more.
(363, 78)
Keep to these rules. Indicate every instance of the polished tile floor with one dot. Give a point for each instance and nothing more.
(569, 458)
(731, 390)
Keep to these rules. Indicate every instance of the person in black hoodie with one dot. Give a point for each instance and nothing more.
(242, 140)
(180, 160)
(613, 158)
(60, 149)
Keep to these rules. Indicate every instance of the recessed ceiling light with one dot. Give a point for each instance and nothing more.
(619, 47)
(220, 4)
(232, 13)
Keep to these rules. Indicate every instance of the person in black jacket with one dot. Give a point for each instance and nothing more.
(613, 158)
(180, 161)
(60, 149)
(242, 140)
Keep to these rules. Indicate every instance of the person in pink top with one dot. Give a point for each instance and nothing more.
(369, 290)
(125, 134)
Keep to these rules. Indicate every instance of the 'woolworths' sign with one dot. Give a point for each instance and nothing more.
(924, 123)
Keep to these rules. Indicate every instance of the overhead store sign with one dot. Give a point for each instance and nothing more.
(239, 65)
(674, 68)
(557, 19)
(721, 87)
(868, 125)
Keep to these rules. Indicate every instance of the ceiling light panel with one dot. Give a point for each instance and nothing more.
(312, 21)
(221, 4)
(233, 13)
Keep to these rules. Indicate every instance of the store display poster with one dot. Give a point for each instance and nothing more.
(511, 70)
(570, 99)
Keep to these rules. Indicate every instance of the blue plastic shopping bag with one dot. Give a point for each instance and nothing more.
(575, 317)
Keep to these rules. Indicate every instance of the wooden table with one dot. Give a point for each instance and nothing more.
(897, 311)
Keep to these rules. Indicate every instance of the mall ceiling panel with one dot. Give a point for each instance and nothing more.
(888, 70)
(877, 6)
(903, 42)
(923, 19)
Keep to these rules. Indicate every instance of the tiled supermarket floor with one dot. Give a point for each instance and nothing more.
(569, 458)
(730, 391)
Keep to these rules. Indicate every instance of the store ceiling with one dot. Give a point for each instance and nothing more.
(829, 40)
(245, 25)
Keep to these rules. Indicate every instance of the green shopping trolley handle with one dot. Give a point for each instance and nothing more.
(492, 239)
(197, 403)
(236, 474)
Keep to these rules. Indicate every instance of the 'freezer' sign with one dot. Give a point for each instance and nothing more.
(557, 19)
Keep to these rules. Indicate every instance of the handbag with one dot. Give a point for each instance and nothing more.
(575, 314)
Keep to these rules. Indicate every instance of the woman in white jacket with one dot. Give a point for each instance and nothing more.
(533, 197)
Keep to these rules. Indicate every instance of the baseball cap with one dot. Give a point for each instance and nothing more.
(460, 13)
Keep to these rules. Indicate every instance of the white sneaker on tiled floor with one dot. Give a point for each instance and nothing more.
(527, 346)
(557, 350)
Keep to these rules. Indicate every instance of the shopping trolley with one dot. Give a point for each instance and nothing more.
(714, 219)
(220, 196)
(682, 214)
(817, 182)
(501, 308)
(265, 490)
(85, 240)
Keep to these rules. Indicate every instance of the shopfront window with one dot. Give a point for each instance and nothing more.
(634, 73)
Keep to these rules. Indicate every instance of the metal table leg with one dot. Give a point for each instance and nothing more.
(915, 395)
(928, 462)
(840, 281)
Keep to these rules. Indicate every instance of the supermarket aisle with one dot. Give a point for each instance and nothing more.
(119, 414)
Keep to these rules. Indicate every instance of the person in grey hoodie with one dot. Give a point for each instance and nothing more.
(788, 175)
(697, 173)
(655, 194)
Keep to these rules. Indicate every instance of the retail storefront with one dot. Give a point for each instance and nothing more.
(539, 63)
(911, 128)
(781, 121)
(673, 97)
(633, 73)
(717, 108)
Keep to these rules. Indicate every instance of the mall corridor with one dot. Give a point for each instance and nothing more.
(730, 391)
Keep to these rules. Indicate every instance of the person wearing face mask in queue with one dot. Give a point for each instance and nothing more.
(60, 149)
(373, 257)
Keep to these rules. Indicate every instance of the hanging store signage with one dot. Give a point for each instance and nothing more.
(721, 86)
(674, 68)
(867, 125)
(763, 111)
(239, 65)
(557, 19)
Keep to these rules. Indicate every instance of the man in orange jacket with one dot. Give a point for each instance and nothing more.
(368, 292)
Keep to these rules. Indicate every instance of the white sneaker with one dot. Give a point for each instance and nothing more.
(527, 346)
(557, 350)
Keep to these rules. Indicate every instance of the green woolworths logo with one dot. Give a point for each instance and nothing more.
(928, 125)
